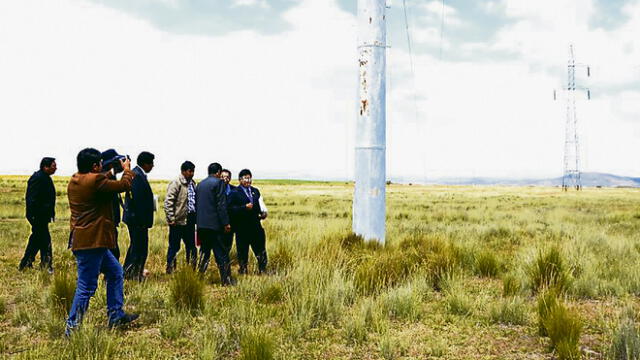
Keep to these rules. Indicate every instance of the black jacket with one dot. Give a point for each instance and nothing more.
(211, 204)
(40, 198)
(117, 203)
(241, 217)
(139, 204)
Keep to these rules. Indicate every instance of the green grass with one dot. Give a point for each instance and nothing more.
(187, 290)
(626, 339)
(459, 278)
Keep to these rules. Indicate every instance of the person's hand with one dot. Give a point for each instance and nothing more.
(263, 215)
(249, 206)
(171, 223)
(126, 164)
(227, 229)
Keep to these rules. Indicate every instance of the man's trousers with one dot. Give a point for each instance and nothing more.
(186, 234)
(254, 237)
(91, 263)
(39, 241)
(213, 240)
(137, 252)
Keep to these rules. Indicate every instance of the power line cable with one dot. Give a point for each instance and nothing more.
(415, 88)
(442, 29)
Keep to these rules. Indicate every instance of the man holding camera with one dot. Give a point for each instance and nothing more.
(92, 235)
(111, 167)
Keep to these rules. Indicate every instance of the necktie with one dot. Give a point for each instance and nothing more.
(248, 192)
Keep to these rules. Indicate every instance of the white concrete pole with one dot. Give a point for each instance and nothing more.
(370, 146)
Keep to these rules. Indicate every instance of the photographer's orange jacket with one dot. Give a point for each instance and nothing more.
(91, 204)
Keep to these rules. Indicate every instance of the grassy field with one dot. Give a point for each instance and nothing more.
(467, 273)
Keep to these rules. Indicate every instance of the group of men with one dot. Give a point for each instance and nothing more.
(218, 210)
(208, 214)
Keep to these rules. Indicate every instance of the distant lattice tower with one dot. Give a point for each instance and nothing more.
(572, 166)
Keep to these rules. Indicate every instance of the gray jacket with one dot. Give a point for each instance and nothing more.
(211, 204)
(176, 201)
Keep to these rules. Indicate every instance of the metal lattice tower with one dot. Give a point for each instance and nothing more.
(572, 165)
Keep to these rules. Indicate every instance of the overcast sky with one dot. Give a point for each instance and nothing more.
(271, 85)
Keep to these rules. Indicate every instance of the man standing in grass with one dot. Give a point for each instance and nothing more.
(92, 235)
(246, 215)
(180, 209)
(225, 176)
(41, 210)
(213, 223)
(138, 215)
(111, 167)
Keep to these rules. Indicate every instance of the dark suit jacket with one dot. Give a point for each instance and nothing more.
(211, 204)
(241, 217)
(139, 204)
(40, 198)
(91, 205)
(117, 202)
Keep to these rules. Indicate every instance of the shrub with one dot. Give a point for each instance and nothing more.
(352, 241)
(281, 258)
(625, 344)
(511, 285)
(212, 344)
(366, 318)
(256, 345)
(62, 292)
(371, 312)
(549, 271)
(328, 302)
(564, 327)
(403, 304)
(458, 303)
(391, 348)
(547, 301)
(382, 270)
(271, 293)
(90, 343)
(173, 326)
(511, 311)
(312, 297)
(355, 329)
(187, 290)
(487, 264)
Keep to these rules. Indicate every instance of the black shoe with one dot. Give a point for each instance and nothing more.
(229, 281)
(25, 266)
(123, 321)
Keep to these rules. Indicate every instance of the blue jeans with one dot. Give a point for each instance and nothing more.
(91, 263)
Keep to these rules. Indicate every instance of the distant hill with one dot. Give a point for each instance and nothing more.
(588, 180)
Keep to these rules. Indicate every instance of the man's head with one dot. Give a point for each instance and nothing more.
(89, 160)
(48, 165)
(245, 177)
(187, 168)
(225, 176)
(214, 169)
(145, 161)
(111, 160)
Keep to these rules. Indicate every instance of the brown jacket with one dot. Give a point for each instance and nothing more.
(90, 202)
